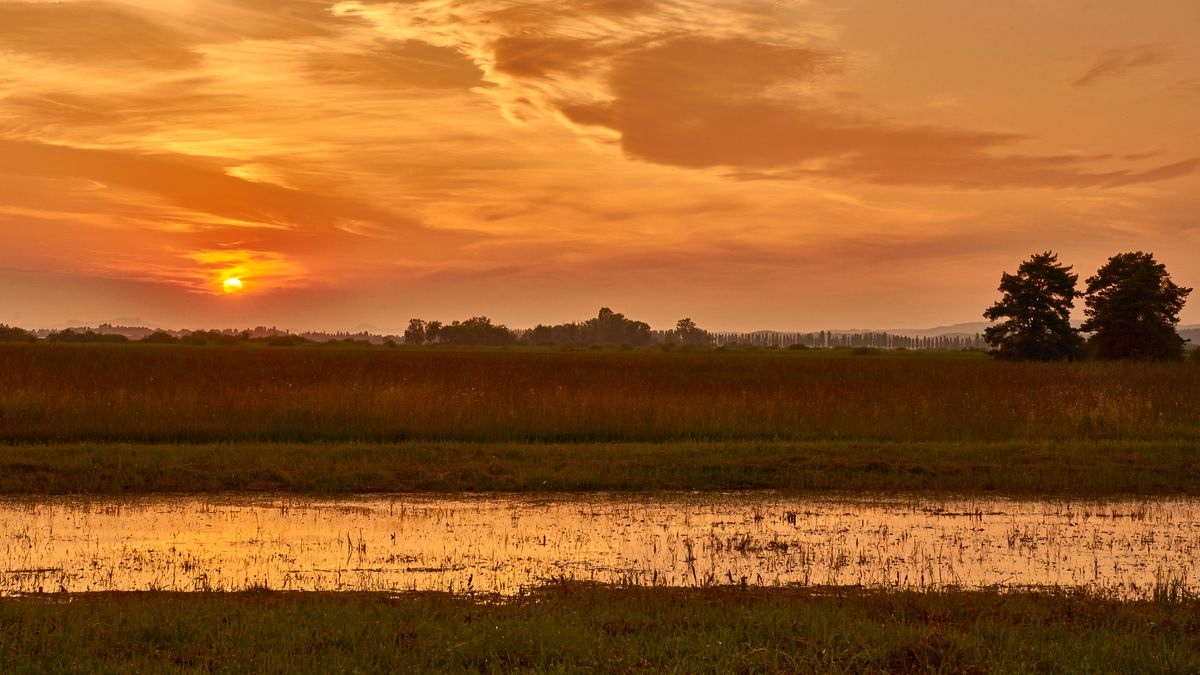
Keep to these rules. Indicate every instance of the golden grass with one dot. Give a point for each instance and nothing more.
(146, 393)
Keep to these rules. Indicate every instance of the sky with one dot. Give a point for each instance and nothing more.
(754, 164)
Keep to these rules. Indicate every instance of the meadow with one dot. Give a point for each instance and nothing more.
(585, 628)
(181, 394)
(1092, 469)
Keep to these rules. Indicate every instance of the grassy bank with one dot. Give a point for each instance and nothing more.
(594, 629)
(165, 393)
(1081, 469)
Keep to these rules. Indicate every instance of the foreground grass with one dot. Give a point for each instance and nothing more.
(579, 628)
(165, 393)
(1081, 469)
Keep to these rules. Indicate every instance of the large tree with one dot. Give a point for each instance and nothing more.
(1133, 308)
(1036, 304)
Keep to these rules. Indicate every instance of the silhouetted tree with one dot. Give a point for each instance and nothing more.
(688, 333)
(1037, 304)
(1133, 308)
(415, 333)
(433, 331)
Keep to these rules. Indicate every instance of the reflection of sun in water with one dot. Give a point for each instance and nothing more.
(233, 285)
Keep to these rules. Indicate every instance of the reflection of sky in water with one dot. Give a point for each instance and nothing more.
(503, 543)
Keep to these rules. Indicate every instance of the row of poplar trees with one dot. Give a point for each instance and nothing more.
(1131, 306)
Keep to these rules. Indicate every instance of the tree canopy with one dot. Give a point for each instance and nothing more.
(1132, 309)
(1036, 304)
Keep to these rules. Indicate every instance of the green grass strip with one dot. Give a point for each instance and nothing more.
(581, 628)
(1084, 469)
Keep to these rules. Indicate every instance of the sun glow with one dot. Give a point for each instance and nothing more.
(232, 285)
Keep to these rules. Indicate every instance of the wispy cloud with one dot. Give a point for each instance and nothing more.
(88, 31)
(1117, 62)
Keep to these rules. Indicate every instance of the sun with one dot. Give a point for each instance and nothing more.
(232, 285)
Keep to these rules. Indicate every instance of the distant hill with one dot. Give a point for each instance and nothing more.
(970, 328)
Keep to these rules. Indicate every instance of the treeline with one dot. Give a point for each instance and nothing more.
(607, 328)
(838, 340)
(199, 338)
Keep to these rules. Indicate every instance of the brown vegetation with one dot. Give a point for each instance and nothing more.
(187, 394)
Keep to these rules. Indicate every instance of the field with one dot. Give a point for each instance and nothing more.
(1085, 469)
(580, 628)
(111, 420)
(174, 394)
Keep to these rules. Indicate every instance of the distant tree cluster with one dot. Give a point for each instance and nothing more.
(478, 331)
(85, 337)
(606, 328)
(1132, 309)
(13, 334)
(688, 333)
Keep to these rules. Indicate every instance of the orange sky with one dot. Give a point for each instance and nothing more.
(790, 164)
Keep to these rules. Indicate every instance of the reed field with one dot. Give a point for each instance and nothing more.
(181, 394)
(584, 628)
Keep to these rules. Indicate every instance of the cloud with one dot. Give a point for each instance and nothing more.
(223, 20)
(701, 103)
(1117, 62)
(203, 187)
(213, 266)
(411, 64)
(530, 56)
(528, 16)
(90, 31)
(151, 105)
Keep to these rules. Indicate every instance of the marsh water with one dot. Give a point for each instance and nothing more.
(505, 544)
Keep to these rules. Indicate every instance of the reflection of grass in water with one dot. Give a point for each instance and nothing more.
(185, 394)
(578, 627)
(1067, 468)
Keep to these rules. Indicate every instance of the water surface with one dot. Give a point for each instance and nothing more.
(503, 544)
